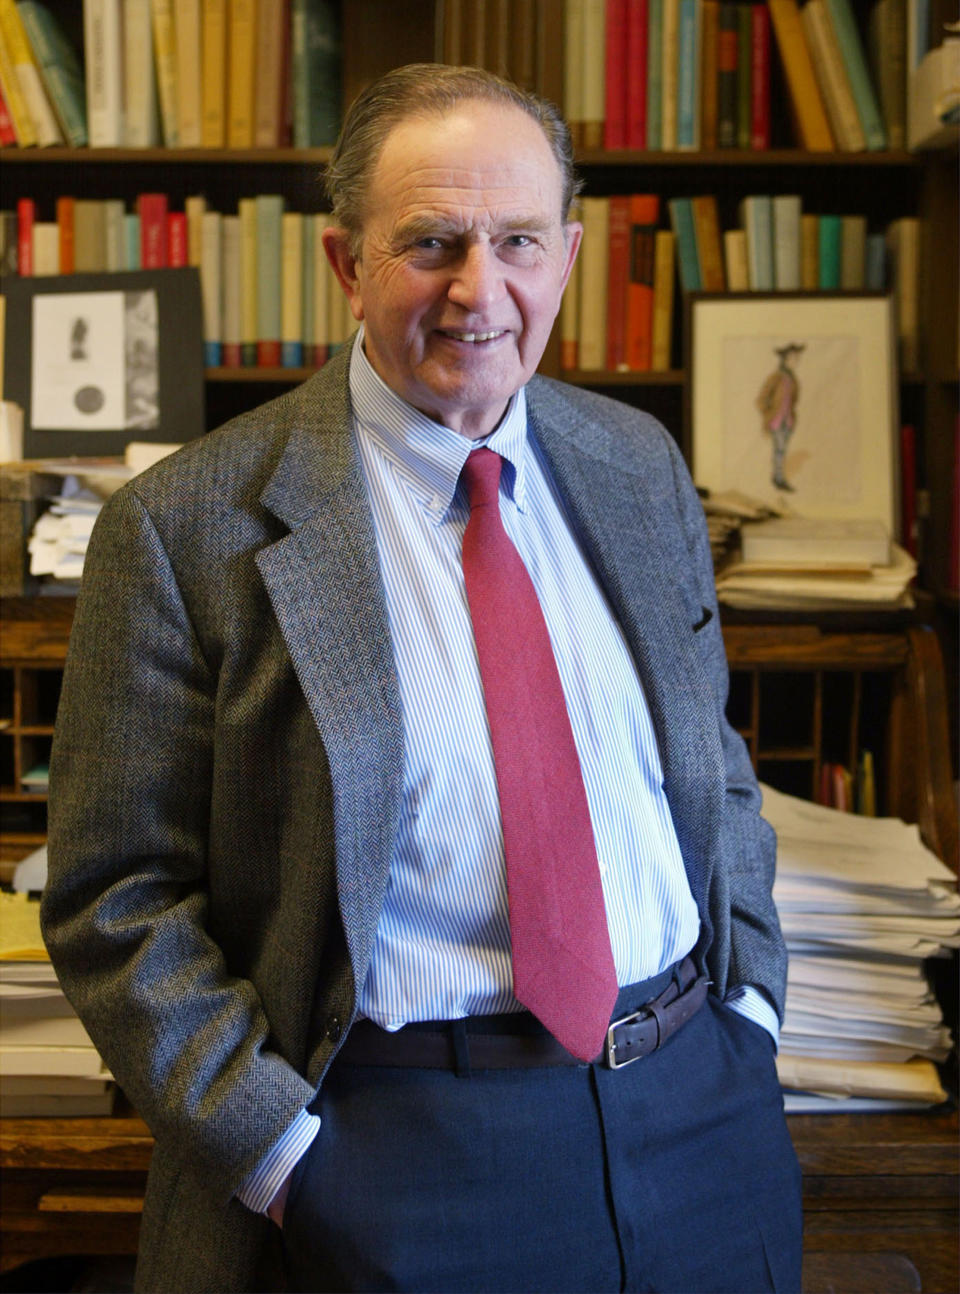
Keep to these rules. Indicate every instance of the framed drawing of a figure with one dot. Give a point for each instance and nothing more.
(792, 399)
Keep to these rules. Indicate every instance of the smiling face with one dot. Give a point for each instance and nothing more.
(463, 261)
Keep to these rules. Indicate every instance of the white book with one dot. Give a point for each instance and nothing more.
(786, 242)
(801, 540)
(232, 300)
(141, 124)
(46, 248)
(103, 60)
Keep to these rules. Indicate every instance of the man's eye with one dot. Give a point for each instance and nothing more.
(429, 244)
(519, 240)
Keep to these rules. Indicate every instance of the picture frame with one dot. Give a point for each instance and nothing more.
(792, 399)
(98, 360)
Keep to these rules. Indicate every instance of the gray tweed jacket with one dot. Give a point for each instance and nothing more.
(227, 768)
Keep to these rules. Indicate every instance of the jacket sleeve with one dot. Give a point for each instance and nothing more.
(124, 911)
(748, 843)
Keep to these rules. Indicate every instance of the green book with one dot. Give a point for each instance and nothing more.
(316, 60)
(684, 230)
(831, 237)
(60, 69)
(854, 60)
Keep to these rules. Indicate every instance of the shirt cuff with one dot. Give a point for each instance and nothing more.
(756, 1006)
(269, 1175)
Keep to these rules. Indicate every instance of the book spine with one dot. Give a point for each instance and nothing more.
(241, 63)
(670, 53)
(131, 241)
(887, 47)
(247, 208)
(268, 74)
(756, 218)
(26, 135)
(195, 207)
(664, 274)
(152, 210)
(644, 214)
(637, 25)
(211, 287)
(616, 72)
(809, 252)
(186, 37)
(65, 224)
(727, 53)
(618, 278)
(853, 252)
(214, 62)
(8, 132)
(594, 72)
(291, 303)
(688, 76)
(26, 218)
(735, 260)
(875, 270)
(573, 36)
(59, 69)
(46, 248)
(103, 56)
(710, 17)
(232, 346)
(655, 76)
(744, 75)
(90, 236)
(316, 64)
(27, 74)
(113, 234)
(594, 252)
(831, 74)
(786, 242)
(141, 125)
(706, 228)
(813, 129)
(851, 47)
(177, 252)
(759, 77)
(829, 246)
(269, 278)
(165, 55)
(681, 222)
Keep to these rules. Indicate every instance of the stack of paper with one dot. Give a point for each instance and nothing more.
(862, 903)
(725, 512)
(58, 542)
(48, 1064)
(818, 586)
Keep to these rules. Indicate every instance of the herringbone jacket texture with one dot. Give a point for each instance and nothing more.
(227, 772)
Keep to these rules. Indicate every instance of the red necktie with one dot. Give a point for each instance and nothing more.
(563, 967)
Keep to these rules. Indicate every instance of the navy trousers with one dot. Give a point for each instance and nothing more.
(675, 1173)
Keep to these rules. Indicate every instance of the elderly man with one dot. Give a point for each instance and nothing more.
(397, 830)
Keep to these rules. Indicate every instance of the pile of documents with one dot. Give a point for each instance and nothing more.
(795, 563)
(48, 1064)
(726, 511)
(862, 903)
(58, 543)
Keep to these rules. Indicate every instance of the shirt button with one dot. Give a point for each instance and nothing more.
(334, 1028)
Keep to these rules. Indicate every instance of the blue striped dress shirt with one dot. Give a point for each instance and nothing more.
(443, 945)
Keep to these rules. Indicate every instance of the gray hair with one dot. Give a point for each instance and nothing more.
(420, 90)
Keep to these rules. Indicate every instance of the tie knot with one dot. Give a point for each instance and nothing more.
(481, 476)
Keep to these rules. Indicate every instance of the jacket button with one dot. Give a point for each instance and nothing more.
(334, 1028)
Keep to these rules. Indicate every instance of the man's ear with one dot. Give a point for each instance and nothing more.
(336, 244)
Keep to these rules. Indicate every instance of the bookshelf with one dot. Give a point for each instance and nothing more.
(884, 184)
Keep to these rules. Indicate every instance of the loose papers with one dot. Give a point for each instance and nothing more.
(862, 903)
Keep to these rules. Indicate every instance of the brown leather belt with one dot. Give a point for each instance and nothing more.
(519, 1041)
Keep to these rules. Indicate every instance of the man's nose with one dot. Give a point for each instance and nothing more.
(478, 278)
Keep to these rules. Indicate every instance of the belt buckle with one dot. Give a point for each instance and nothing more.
(610, 1047)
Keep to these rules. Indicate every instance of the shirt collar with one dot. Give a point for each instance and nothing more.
(429, 455)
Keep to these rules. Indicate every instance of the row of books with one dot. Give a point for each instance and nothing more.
(626, 266)
(181, 73)
(269, 296)
(697, 74)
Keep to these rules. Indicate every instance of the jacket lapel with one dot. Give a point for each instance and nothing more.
(324, 585)
(623, 537)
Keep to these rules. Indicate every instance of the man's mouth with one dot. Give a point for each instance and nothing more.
(457, 335)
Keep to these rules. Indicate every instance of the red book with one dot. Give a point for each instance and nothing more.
(231, 354)
(65, 210)
(269, 354)
(26, 214)
(908, 488)
(644, 215)
(152, 210)
(7, 133)
(638, 12)
(615, 122)
(177, 256)
(618, 277)
(759, 77)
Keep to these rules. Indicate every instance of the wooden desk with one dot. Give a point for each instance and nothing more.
(880, 1195)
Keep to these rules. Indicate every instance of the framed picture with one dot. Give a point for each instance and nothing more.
(792, 399)
(98, 360)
